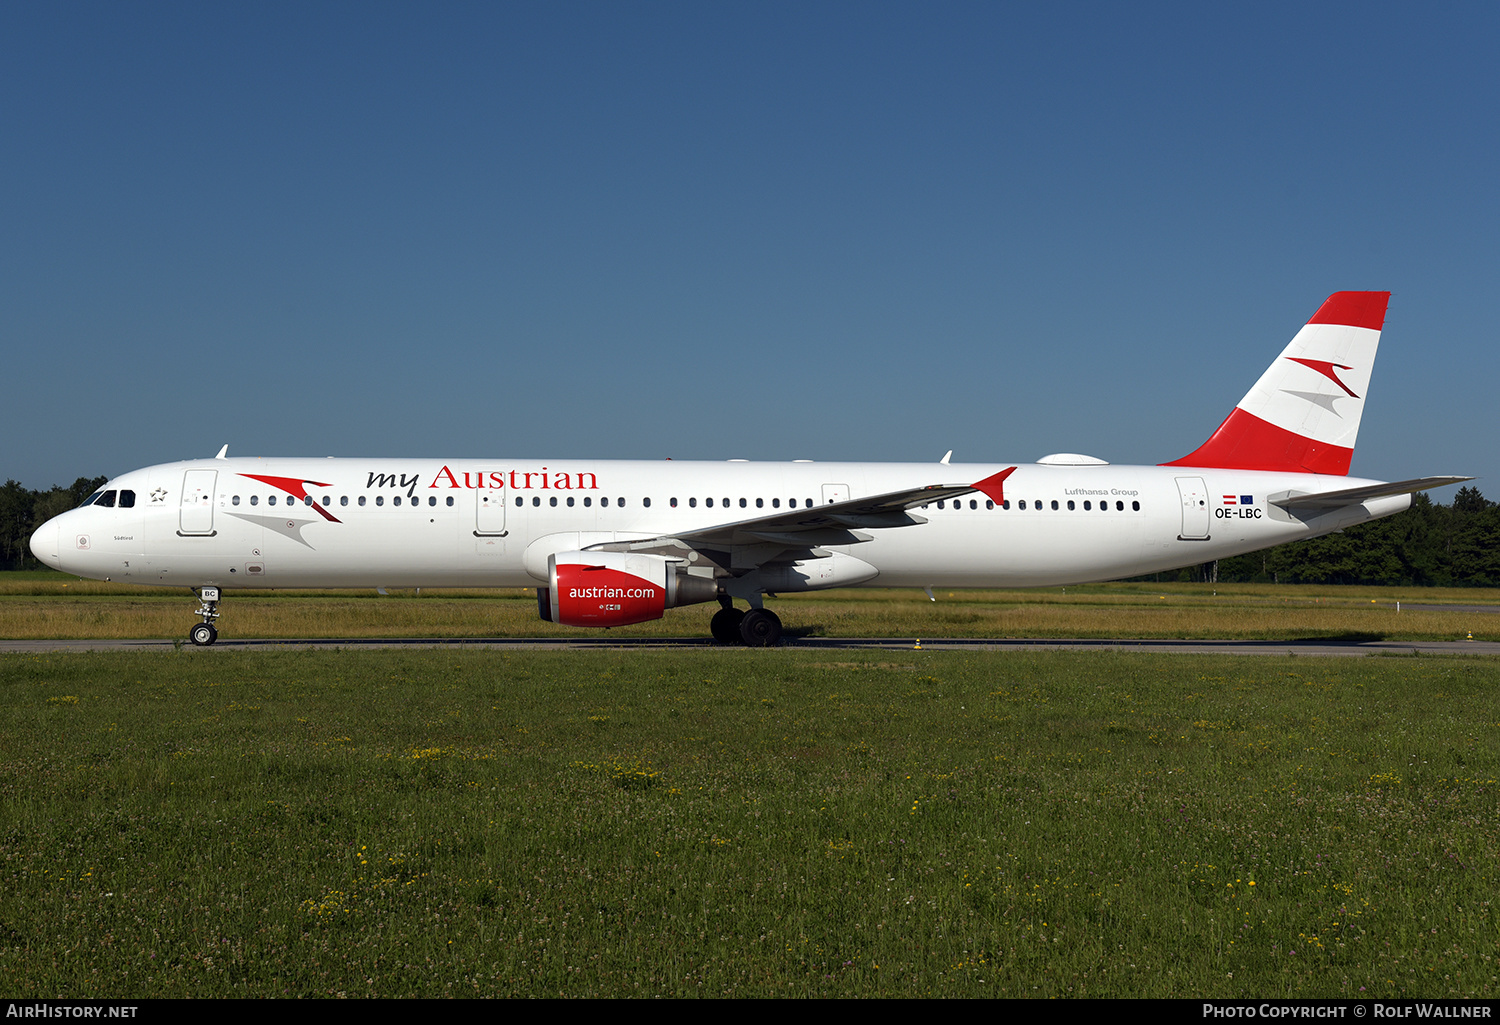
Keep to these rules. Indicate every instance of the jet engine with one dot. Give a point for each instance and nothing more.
(617, 588)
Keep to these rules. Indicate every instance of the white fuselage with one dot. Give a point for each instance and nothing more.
(492, 523)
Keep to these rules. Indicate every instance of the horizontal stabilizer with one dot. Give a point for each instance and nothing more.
(1354, 496)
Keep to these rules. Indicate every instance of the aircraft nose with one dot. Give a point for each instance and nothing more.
(44, 544)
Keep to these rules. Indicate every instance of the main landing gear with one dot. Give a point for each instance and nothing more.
(757, 628)
(761, 628)
(725, 626)
(204, 633)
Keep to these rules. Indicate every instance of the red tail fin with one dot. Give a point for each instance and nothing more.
(1303, 414)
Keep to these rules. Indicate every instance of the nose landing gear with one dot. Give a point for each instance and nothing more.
(205, 633)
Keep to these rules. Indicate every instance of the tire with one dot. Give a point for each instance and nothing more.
(760, 629)
(203, 635)
(725, 626)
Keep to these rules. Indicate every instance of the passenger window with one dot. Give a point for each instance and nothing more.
(743, 503)
(708, 502)
(692, 503)
(1135, 506)
(396, 500)
(775, 503)
(604, 502)
(570, 501)
(989, 504)
(1054, 504)
(450, 501)
(587, 502)
(536, 501)
(327, 501)
(672, 503)
(552, 501)
(1119, 507)
(646, 502)
(380, 500)
(270, 499)
(760, 503)
(235, 500)
(343, 500)
(1087, 505)
(519, 500)
(1070, 505)
(620, 502)
(941, 505)
(1021, 504)
(254, 499)
(1005, 504)
(361, 500)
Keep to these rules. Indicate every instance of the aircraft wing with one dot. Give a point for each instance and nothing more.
(759, 540)
(1324, 500)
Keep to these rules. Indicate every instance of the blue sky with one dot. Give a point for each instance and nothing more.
(772, 231)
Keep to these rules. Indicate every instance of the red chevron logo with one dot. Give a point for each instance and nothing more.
(293, 487)
(1327, 369)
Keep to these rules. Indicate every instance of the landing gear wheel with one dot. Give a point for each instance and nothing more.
(725, 626)
(205, 633)
(760, 628)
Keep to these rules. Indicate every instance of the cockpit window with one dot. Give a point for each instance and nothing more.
(107, 500)
(91, 499)
(127, 499)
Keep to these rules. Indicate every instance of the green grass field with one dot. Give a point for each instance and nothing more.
(747, 823)
(52, 606)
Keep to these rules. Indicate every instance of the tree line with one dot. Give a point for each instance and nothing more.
(1429, 545)
(23, 509)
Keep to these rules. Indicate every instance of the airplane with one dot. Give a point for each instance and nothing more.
(608, 543)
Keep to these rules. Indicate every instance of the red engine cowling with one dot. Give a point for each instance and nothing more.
(616, 588)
